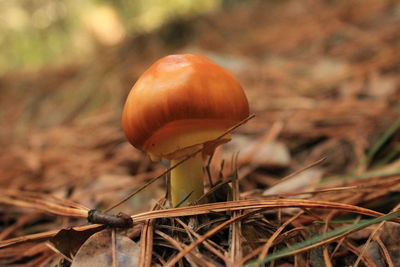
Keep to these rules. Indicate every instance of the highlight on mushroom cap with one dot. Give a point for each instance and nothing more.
(179, 102)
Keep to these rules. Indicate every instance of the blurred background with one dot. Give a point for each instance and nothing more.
(321, 76)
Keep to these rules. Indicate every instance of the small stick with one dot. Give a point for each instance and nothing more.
(120, 220)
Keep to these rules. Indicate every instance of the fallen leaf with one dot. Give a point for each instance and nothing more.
(68, 241)
(303, 181)
(266, 154)
(98, 251)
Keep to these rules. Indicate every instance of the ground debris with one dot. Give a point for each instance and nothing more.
(322, 78)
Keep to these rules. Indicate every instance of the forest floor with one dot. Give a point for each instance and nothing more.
(322, 78)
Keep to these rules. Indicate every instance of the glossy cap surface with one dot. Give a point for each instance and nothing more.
(182, 101)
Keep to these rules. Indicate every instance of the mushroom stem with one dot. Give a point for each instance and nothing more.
(186, 180)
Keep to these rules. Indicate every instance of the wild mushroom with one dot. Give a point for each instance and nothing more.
(179, 104)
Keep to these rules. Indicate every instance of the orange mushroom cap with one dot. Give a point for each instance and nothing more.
(182, 101)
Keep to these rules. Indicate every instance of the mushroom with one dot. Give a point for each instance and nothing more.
(178, 105)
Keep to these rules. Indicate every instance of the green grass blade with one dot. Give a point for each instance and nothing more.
(389, 133)
(329, 236)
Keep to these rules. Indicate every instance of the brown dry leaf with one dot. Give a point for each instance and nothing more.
(390, 236)
(68, 241)
(98, 251)
(304, 181)
(266, 154)
(382, 86)
(373, 252)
